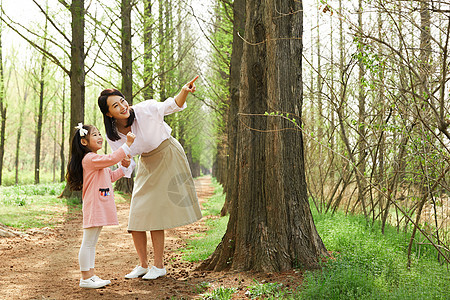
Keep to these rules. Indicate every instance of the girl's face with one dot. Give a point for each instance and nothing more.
(93, 140)
(118, 107)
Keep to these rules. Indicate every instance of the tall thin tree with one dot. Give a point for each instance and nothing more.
(77, 73)
(3, 105)
(40, 111)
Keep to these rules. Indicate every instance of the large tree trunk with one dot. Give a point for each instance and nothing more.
(77, 78)
(235, 68)
(126, 184)
(148, 66)
(127, 63)
(77, 75)
(271, 226)
(162, 49)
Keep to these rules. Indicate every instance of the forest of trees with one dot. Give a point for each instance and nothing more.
(335, 104)
(52, 83)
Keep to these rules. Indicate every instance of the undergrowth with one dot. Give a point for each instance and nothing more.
(365, 264)
(370, 265)
(35, 206)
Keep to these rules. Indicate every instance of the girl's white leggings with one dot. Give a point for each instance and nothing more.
(86, 257)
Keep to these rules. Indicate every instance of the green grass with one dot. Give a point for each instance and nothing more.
(371, 265)
(120, 197)
(214, 205)
(27, 177)
(202, 246)
(35, 206)
(366, 264)
(267, 290)
(221, 293)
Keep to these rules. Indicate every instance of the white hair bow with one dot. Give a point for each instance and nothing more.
(83, 131)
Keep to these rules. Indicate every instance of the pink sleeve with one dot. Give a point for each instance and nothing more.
(116, 174)
(98, 161)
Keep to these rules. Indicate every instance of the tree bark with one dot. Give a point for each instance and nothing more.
(271, 226)
(127, 63)
(40, 117)
(126, 184)
(77, 78)
(63, 141)
(148, 64)
(19, 134)
(232, 122)
(77, 75)
(362, 147)
(162, 49)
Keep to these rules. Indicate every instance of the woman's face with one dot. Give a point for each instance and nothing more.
(118, 107)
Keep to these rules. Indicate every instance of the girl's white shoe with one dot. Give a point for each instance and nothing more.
(104, 280)
(155, 273)
(93, 283)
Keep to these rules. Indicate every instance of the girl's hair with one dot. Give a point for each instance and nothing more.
(74, 174)
(110, 122)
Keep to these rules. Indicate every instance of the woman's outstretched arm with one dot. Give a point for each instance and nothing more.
(185, 90)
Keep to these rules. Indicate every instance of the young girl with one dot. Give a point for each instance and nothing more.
(88, 171)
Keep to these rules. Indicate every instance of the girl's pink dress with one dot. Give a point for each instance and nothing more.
(99, 208)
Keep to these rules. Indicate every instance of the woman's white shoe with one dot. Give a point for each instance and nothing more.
(155, 273)
(138, 271)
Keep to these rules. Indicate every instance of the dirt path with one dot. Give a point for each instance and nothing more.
(44, 264)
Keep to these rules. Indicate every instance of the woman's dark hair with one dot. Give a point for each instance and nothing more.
(110, 123)
(74, 174)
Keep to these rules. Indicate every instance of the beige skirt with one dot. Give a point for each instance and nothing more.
(164, 193)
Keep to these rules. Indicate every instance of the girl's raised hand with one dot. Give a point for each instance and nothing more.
(130, 138)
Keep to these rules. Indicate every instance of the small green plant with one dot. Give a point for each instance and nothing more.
(21, 200)
(201, 287)
(267, 289)
(221, 293)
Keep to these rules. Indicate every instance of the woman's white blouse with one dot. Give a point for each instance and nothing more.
(149, 128)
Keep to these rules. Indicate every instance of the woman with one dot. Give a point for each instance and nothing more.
(163, 194)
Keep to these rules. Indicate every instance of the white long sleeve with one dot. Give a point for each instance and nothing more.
(149, 128)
